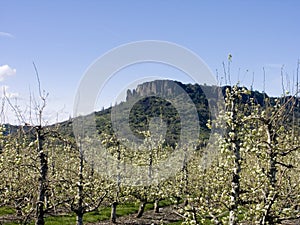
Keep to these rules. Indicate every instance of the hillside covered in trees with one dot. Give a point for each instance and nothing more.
(152, 106)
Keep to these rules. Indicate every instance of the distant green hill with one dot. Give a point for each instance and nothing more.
(153, 99)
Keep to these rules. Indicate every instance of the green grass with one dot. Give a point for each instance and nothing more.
(10, 223)
(6, 211)
(175, 223)
(127, 209)
(103, 213)
(164, 203)
(57, 220)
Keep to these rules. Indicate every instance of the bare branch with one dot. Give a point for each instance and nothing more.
(15, 108)
(225, 74)
(38, 80)
(289, 166)
(264, 81)
(290, 151)
(99, 201)
(282, 80)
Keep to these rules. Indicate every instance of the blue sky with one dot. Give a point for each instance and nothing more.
(64, 38)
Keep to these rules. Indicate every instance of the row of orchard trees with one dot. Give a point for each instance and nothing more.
(250, 174)
(253, 174)
(42, 172)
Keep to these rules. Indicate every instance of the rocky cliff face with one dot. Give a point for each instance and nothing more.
(156, 88)
(170, 88)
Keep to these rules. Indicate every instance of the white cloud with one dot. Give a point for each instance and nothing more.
(6, 70)
(4, 34)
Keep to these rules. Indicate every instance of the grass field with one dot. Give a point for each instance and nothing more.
(103, 213)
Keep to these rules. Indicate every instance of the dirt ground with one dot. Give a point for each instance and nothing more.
(165, 216)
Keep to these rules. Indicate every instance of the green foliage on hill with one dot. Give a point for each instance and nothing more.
(150, 106)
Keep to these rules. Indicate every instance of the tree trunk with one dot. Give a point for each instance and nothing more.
(272, 155)
(141, 209)
(185, 202)
(272, 173)
(79, 218)
(235, 189)
(235, 181)
(113, 215)
(18, 208)
(80, 190)
(42, 179)
(195, 216)
(78, 207)
(185, 177)
(156, 206)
